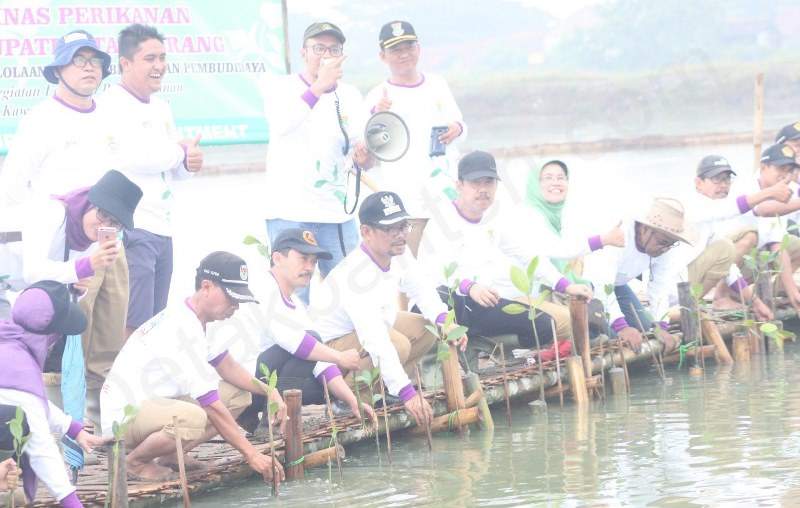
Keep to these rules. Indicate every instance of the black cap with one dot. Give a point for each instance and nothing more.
(300, 240)
(395, 32)
(788, 133)
(68, 318)
(477, 164)
(713, 165)
(382, 208)
(779, 155)
(117, 196)
(322, 28)
(230, 272)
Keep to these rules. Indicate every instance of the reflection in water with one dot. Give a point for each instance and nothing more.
(726, 438)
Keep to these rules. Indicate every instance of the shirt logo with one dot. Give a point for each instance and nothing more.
(389, 206)
(308, 236)
(397, 29)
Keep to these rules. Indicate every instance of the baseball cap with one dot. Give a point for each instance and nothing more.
(789, 132)
(779, 155)
(321, 28)
(230, 272)
(713, 165)
(395, 32)
(67, 46)
(117, 196)
(300, 240)
(382, 208)
(46, 308)
(477, 164)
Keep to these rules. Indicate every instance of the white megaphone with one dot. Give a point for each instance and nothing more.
(386, 136)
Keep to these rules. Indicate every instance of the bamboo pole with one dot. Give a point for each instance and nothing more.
(558, 364)
(473, 384)
(710, 331)
(447, 421)
(741, 348)
(617, 377)
(295, 469)
(453, 386)
(577, 380)
(322, 457)
(118, 476)
(187, 503)
(421, 406)
(758, 119)
(579, 313)
(386, 421)
(505, 382)
(334, 432)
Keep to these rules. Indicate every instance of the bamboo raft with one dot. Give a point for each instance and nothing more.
(521, 382)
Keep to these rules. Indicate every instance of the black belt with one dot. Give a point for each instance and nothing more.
(10, 236)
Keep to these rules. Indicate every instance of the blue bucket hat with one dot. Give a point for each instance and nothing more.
(67, 46)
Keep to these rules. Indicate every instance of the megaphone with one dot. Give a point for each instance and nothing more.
(386, 136)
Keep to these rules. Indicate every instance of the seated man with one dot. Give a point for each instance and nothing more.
(466, 234)
(648, 241)
(289, 345)
(711, 260)
(357, 304)
(41, 314)
(165, 370)
(765, 226)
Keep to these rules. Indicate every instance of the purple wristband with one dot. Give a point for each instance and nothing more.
(465, 286)
(561, 285)
(663, 325)
(306, 346)
(310, 98)
(595, 243)
(74, 429)
(741, 202)
(618, 324)
(208, 399)
(738, 285)
(185, 156)
(407, 393)
(83, 268)
(218, 359)
(441, 318)
(71, 501)
(329, 374)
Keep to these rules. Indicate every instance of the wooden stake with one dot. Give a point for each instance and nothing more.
(386, 421)
(579, 313)
(333, 428)
(690, 325)
(295, 470)
(710, 331)
(624, 365)
(187, 503)
(558, 365)
(473, 383)
(421, 405)
(741, 348)
(118, 474)
(453, 386)
(444, 422)
(505, 382)
(758, 119)
(324, 456)
(659, 366)
(617, 377)
(577, 381)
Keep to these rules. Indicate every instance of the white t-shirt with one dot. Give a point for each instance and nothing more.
(358, 295)
(167, 357)
(147, 152)
(770, 229)
(423, 106)
(306, 170)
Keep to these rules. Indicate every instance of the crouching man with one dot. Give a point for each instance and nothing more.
(166, 369)
(357, 306)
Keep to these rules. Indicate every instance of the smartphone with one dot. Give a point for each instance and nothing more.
(437, 147)
(105, 233)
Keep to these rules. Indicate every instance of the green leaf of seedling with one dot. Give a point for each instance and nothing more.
(768, 329)
(130, 411)
(442, 352)
(532, 266)
(449, 270)
(272, 407)
(450, 318)
(365, 376)
(696, 290)
(514, 309)
(251, 240)
(376, 373)
(749, 323)
(750, 263)
(273, 379)
(520, 280)
(608, 288)
(787, 335)
(264, 371)
(456, 333)
(433, 330)
(544, 295)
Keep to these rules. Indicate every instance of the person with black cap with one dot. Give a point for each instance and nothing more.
(357, 305)
(790, 135)
(316, 125)
(711, 260)
(170, 358)
(288, 344)
(41, 314)
(426, 104)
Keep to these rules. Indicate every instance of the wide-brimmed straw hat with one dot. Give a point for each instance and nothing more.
(667, 215)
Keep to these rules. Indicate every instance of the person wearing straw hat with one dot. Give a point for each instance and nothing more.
(41, 314)
(169, 368)
(649, 243)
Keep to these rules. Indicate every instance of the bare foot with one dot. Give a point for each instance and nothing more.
(763, 313)
(726, 303)
(189, 462)
(149, 472)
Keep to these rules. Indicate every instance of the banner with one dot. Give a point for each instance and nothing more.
(217, 55)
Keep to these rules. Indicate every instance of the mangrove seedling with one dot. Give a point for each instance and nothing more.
(118, 429)
(270, 383)
(15, 427)
(370, 377)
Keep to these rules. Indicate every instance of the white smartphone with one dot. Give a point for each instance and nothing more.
(105, 233)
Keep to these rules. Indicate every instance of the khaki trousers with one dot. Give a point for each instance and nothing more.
(155, 415)
(106, 307)
(408, 335)
(559, 313)
(713, 263)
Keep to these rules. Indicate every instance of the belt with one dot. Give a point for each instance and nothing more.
(10, 236)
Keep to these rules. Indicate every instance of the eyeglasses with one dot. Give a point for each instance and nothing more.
(663, 242)
(80, 61)
(107, 220)
(321, 49)
(395, 229)
(403, 47)
(723, 178)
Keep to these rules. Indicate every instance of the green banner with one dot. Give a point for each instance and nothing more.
(218, 55)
